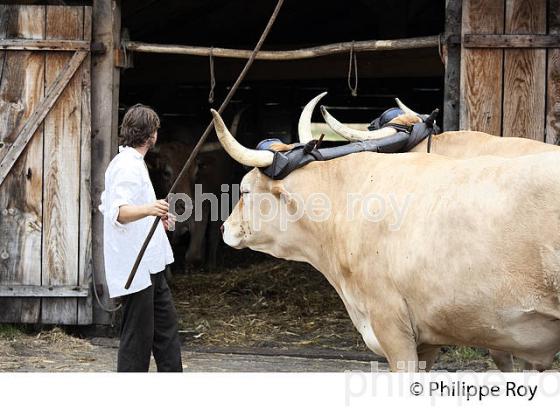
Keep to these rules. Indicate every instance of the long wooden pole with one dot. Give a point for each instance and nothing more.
(312, 52)
(210, 127)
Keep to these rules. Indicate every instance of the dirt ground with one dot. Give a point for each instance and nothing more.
(57, 351)
(262, 315)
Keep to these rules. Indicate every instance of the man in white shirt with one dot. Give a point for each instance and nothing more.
(129, 206)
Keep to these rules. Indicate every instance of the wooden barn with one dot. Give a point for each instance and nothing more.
(69, 68)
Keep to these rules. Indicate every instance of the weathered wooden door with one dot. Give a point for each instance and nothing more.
(510, 68)
(45, 205)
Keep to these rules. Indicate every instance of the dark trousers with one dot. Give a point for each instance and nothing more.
(149, 324)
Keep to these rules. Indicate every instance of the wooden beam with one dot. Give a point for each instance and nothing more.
(511, 41)
(40, 113)
(413, 63)
(312, 52)
(44, 45)
(38, 291)
(105, 78)
(452, 59)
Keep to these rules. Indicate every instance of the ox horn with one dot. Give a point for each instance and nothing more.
(405, 109)
(352, 134)
(243, 155)
(304, 124)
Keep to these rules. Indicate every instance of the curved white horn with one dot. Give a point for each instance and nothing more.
(353, 134)
(245, 156)
(304, 124)
(405, 109)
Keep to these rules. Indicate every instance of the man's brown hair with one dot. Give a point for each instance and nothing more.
(138, 125)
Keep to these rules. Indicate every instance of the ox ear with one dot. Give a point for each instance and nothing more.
(286, 199)
(406, 120)
(281, 147)
(277, 189)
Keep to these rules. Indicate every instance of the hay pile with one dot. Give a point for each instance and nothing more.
(263, 302)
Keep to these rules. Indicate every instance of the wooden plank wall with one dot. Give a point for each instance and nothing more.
(525, 72)
(46, 197)
(21, 205)
(62, 171)
(481, 69)
(514, 92)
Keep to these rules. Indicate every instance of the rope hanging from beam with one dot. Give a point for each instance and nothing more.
(212, 78)
(353, 63)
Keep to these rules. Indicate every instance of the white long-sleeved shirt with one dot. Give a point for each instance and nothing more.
(127, 182)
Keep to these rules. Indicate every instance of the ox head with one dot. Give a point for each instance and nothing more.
(256, 221)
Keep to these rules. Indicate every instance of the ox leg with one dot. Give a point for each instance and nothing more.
(399, 346)
(427, 356)
(395, 331)
(503, 360)
(402, 355)
(539, 367)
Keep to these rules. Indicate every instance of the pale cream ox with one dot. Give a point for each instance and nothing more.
(475, 259)
(455, 144)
